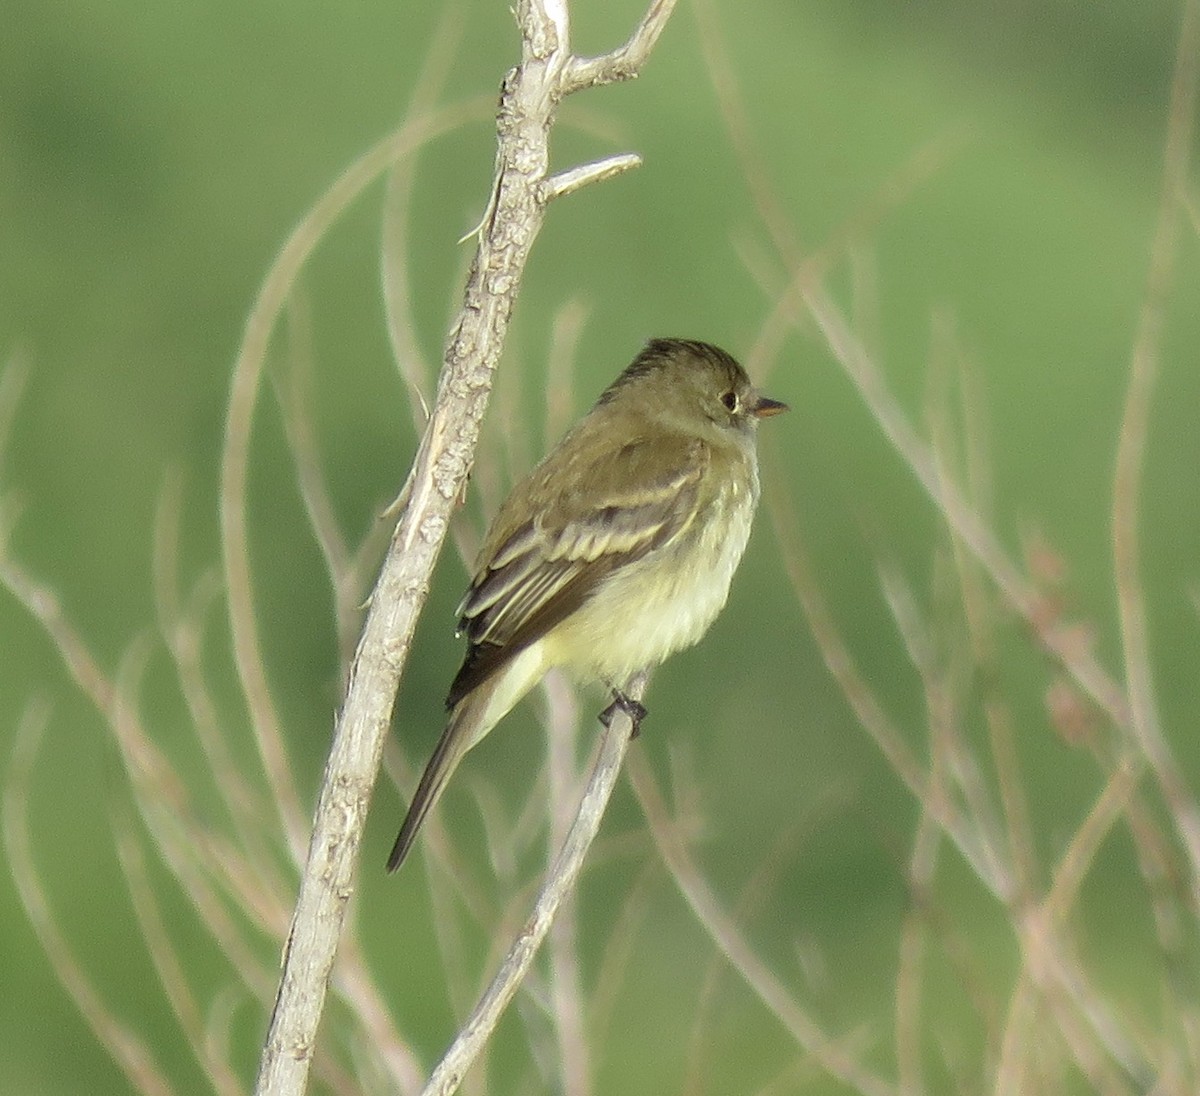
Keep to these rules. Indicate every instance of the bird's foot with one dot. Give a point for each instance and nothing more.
(632, 708)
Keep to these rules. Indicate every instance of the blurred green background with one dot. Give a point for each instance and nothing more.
(152, 161)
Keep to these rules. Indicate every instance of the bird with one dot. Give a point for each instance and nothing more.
(613, 553)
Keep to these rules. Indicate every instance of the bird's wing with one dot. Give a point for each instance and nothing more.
(614, 511)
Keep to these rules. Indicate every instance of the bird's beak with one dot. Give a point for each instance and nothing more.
(765, 407)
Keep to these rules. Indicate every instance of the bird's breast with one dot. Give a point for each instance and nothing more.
(663, 602)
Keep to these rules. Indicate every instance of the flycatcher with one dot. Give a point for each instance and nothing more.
(614, 552)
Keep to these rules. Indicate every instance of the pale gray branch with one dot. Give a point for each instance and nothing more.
(1144, 722)
(624, 63)
(528, 104)
(565, 182)
(559, 882)
(565, 979)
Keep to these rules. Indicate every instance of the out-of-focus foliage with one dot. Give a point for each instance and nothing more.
(152, 161)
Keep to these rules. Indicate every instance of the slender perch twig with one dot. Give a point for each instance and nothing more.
(559, 882)
(528, 104)
(566, 991)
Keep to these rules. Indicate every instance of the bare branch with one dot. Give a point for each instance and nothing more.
(130, 1053)
(973, 819)
(567, 182)
(860, 367)
(243, 396)
(1131, 446)
(295, 396)
(1046, 970)
(861, 697)
(566, 997)
(355, 984)
(182, 631)
(528, 105)
(414, 369)
(834, 1056)
(559, 882)
(167, 963)
(754, 894)
(624, 63)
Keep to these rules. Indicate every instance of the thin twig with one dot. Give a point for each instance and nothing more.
(950, 758)
(755, 892)
(1073, 867)
(247, 376)
(129, 1052)
(182, 630)
(911, 958)
(963, 519)
(566, 995)
(1044, 968)
(1131, 447)
(860, 367)
(399, 320)
(832, 1055)
(13, 378)
(617, 959)
(195, 856)
(574, 178)
(296, 400)
(165, 956)
(864, 703)
(559, 882)
(354, 981)
(624, 63)
(978, 613)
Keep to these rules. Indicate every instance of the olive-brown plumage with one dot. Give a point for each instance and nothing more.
(615, 551)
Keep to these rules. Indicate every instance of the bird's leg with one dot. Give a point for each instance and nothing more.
(626, 704)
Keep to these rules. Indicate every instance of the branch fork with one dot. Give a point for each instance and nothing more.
(521, 192)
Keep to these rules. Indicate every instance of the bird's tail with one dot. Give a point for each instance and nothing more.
(463, 729)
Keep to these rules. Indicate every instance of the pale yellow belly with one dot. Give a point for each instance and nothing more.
(661, 604)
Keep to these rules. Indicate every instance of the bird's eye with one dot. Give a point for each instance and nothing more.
(730, 400)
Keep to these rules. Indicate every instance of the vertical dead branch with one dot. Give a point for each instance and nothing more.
(528, 103)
